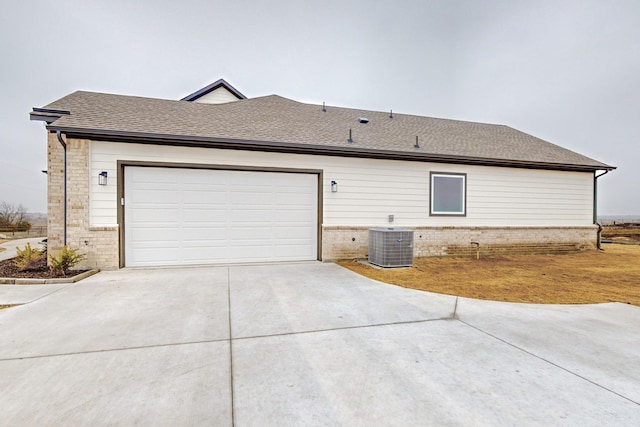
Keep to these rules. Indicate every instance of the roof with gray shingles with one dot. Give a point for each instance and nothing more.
(276, 121)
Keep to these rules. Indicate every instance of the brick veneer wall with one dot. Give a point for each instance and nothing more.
(100, 244)
(352, 242)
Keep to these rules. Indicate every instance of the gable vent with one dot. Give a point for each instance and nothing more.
(363, 120)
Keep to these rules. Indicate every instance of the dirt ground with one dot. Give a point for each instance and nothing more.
(580, 278)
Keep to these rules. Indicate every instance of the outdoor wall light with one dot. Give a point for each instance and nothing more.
(102, 178)
(334, 187)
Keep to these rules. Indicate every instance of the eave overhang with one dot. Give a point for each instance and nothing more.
(47, 115)
(299, 148)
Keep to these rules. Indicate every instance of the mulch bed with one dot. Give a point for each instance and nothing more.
(39, 270)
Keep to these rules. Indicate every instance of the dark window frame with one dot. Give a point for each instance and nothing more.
(463, 176)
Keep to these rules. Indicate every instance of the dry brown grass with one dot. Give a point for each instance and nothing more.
(621, 234)
(587, 277)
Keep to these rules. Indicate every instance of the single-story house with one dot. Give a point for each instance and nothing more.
(221, 178)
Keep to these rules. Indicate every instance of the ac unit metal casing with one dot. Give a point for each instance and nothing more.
(391, 247)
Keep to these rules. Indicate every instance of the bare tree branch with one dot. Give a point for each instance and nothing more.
(12, 215)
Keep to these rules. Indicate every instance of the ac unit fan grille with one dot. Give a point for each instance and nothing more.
(390, 247)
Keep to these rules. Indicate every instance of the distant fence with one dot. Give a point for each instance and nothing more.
(622, 223)
(35, 231)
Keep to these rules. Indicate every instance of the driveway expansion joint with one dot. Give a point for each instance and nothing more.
(233, 419)
(549, 362)
(342, 328)
(109, 350)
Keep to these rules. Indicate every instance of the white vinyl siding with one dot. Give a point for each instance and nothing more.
(218, 96)
(369, 190)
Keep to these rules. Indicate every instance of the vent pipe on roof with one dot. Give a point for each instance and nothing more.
(324, 110)
(391, 114)
(350, 140)
(417, 143)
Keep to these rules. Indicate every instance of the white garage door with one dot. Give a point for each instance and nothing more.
(201, 216)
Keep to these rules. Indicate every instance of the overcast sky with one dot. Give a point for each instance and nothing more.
(564, 71)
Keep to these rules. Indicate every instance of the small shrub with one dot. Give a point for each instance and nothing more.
(66, 259)
(27, 257)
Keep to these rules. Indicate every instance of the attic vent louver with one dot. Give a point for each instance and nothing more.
(363, 120)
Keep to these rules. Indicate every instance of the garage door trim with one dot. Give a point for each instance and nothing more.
(121, 164)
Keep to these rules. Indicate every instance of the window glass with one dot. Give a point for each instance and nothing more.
(448, 194)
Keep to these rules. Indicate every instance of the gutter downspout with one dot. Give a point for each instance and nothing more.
(595, 208)
(64, 146)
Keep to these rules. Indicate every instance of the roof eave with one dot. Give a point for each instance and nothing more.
(299, 148)
(47, 115)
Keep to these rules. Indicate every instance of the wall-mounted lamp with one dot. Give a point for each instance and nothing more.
(334, 187)
(102, 178)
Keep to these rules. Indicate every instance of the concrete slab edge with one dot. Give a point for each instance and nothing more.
(59, 281)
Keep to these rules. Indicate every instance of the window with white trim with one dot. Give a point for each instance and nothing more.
(448, 194)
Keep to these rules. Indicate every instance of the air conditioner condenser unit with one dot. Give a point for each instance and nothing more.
(391, 247)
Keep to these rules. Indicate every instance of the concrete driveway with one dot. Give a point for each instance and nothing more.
(307, 344)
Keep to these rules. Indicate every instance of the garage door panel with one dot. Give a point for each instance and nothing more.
(251, 198)
(169, 249)
(249, 232)
(150, 256)
(240, 252)
(149, 235)
(293, 215)
(204, 217)
(209, 234)
(198, 196)
(202, 256)
(293, 233)
(162, 215)
(193, 216)
(143, 195)
(293, 252)
(253, 215)
(295, 199)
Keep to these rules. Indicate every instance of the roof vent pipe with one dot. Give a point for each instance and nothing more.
(324, 110)
(417, 143)
(391, 114)
(350, 140)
